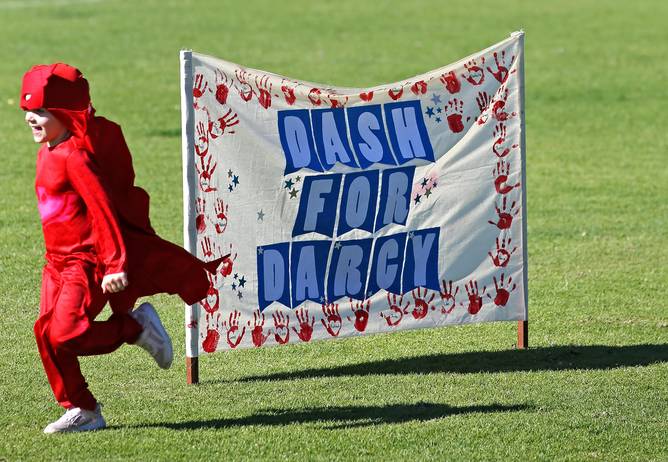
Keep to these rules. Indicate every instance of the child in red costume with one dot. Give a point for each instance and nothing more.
(100, 246)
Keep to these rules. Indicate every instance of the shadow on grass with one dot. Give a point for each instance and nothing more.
(556, 358)
(340, 417)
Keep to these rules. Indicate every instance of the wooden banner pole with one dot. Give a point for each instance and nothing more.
(192, 370)
(189, 193)
(522, 335)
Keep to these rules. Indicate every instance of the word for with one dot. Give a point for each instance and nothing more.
(367, 200)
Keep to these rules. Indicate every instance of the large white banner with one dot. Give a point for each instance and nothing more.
(350, 211)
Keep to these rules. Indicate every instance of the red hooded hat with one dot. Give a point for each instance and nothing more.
(63, 91)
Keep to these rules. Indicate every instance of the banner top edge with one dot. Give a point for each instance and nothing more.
(516, 35)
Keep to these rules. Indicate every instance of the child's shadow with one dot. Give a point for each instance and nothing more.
(339, 417)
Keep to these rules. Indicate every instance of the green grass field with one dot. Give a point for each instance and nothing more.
(593, 386)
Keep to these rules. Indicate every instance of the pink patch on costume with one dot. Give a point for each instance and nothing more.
(56, 208)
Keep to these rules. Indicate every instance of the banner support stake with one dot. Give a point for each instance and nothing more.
(189, 232)
(523, 325)
(522, 335)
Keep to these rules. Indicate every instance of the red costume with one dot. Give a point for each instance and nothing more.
(95, 222)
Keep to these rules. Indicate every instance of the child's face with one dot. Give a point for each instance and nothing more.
(46, 128)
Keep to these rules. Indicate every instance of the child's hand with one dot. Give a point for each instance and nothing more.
(112, 283)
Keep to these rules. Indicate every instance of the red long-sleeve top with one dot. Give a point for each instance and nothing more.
(78, 218)
(92, 210)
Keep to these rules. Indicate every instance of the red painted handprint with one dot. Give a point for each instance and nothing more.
(244, 88)
(257, 333)
(281, 327)
(337, 101)
(454, 111)
(199, 88)
(221, 216)
(223, 84)
(475, 75)
(499, 105)
(422, 306)
(305, 326)
(205, 245)
(212, 336)
(314, 96)
(361, 312)
(501, 73)
(501, 147)
(202, 144)
(500, 175)
(200, 220)
(502, 292)
(505, 215)
(395, 93)
(331, 313)
(368, 96)
(219, 126)
(234, 335)
(288, 89)
(448, 301)
(483, 101)
(264, 91)
(205, 175)
(228, 263)
(210, 303)
(396, 311)
(502, 256)
(475, 299)
(419, 87)
(451, 82)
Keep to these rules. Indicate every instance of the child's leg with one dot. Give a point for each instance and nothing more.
(65, 330)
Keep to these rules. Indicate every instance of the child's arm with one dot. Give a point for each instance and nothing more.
(85, 178)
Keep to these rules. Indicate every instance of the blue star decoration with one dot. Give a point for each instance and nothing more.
(242, 281)
(439, 110)
(234, 286)
(438, 120)
(240, 295)
(417, 198)
(236, 275)
(430, 112)
(234, 182)
(424, 182)
(288, 184)
(436, 99)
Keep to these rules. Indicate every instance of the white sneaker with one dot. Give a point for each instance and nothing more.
(154, 337)
(78, 420)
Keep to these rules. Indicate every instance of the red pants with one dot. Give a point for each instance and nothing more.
(71, 299)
